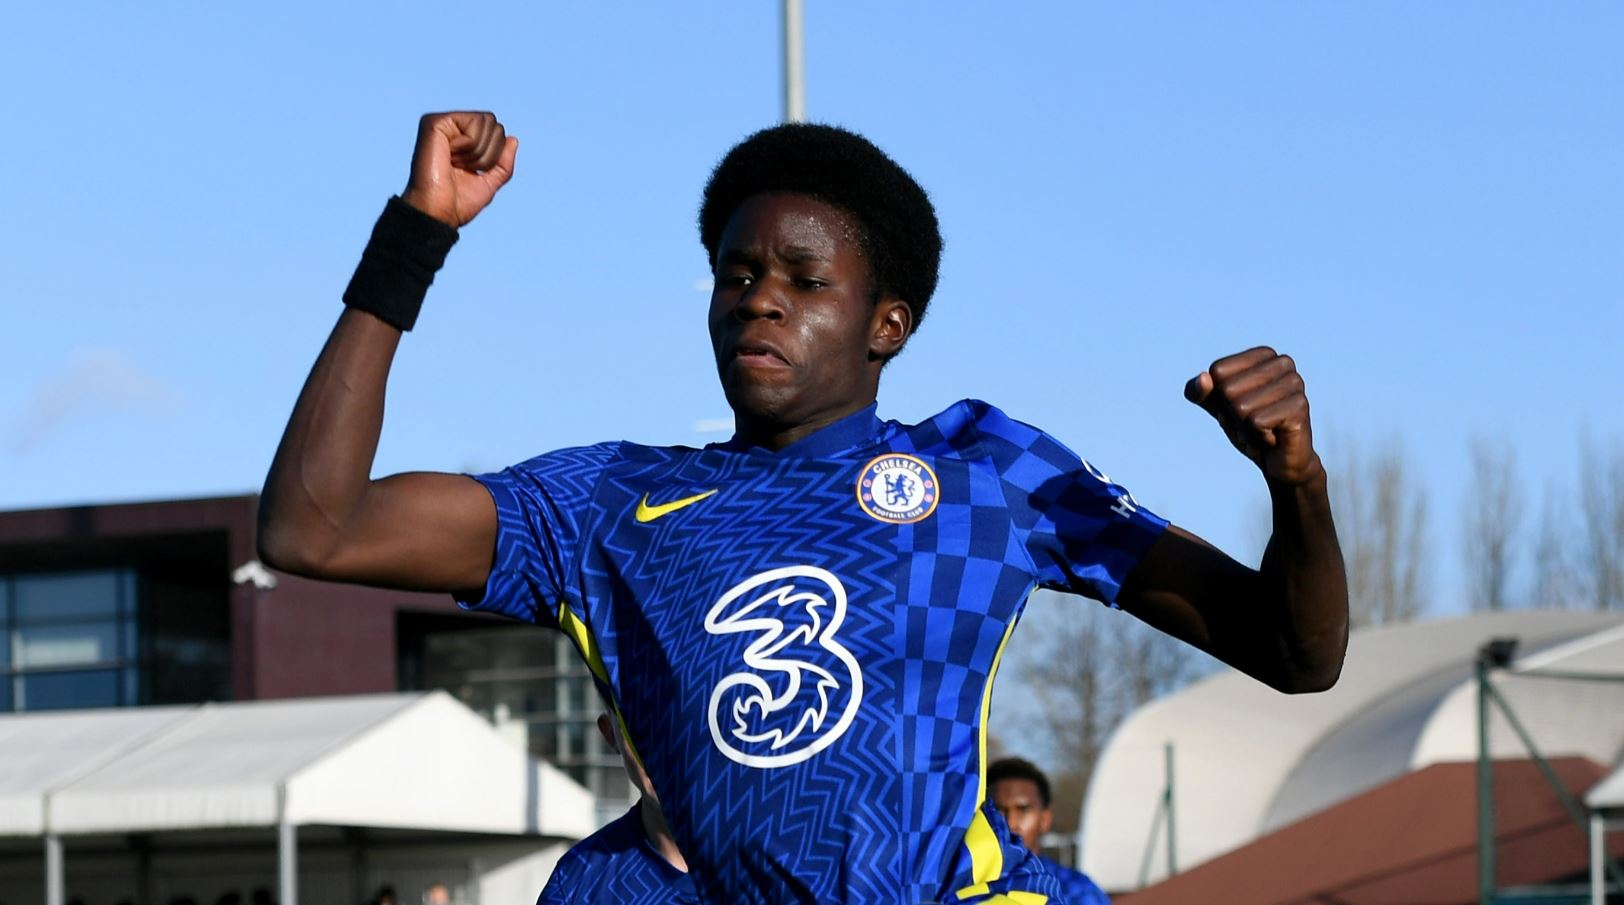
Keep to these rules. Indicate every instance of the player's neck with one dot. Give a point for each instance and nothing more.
(659, 835)
(776, 435)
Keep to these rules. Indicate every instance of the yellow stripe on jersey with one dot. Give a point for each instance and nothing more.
(584, 642)
(986, 855)
(578, 632)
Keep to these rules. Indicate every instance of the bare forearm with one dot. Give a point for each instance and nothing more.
(322, 468)
(1303, 579)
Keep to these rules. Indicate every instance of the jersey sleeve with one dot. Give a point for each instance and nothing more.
(542, 508)
(1083, 532)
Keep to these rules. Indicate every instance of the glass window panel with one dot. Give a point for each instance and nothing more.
(65, 690)
(67, 595)
(71, 644)
(128, 594)
(5, 693)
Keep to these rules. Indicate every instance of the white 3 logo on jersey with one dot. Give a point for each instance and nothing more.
(794, 613)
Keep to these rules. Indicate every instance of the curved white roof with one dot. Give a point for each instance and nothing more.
(1249, 760)
(415, 761)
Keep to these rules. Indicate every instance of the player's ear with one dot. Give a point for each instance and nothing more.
(890, 327)
(606, 728)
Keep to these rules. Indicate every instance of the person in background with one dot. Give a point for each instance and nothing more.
(1021, 793)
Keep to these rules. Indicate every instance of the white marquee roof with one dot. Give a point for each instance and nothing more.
(1249, 760)
(415, 761)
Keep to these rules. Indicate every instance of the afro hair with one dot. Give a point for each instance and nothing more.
(897, 225)
(1019, 768)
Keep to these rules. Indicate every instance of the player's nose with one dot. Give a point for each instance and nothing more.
(760, 300)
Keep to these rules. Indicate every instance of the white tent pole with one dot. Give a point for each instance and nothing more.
(287, 863)
(54, 881)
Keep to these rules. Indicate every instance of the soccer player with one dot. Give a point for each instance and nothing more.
(799, 627)
(1020, 792)
(631, 861)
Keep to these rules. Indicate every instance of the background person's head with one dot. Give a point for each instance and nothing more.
(1020, 791)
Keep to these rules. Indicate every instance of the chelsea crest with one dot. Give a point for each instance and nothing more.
(897, 488)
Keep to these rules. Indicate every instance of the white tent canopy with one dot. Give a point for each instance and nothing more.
(1249, 760)
(39, 753)
(414, 761)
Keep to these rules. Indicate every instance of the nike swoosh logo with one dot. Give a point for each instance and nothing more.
(647, 513)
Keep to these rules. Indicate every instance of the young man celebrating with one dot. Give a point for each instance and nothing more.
(798, 627)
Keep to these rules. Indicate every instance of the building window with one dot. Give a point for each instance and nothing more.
(69, 640)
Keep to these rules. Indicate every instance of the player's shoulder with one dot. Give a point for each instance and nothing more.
(598, 457)
(611, 842)
(972, 428)
(569, 460)
(616, 838)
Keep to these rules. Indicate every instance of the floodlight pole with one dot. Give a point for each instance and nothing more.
(794, 63)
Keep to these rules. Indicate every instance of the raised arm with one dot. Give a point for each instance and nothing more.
(321, 514)
(1285, 623)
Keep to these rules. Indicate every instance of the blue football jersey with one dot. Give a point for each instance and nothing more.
(617, 865)
(1077, 887)
(801, 644)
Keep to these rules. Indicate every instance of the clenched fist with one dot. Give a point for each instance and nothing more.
(461, 160)
(1257, 397)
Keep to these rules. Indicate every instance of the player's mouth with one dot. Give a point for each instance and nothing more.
(755, 354)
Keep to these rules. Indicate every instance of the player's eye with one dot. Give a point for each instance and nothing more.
(736, 280)
(810, 283)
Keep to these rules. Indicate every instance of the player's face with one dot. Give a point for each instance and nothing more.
(796, 331)
(1018, 800)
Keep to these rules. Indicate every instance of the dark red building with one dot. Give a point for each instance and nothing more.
(165, 603)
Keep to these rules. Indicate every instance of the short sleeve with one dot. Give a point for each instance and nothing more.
(1083, 532)
(542, 507)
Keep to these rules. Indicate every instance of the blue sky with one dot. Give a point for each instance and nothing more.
(1423, 203)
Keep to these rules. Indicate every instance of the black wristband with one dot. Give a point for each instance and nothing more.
(399, 264)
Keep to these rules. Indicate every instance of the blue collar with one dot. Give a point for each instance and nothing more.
(836, 437)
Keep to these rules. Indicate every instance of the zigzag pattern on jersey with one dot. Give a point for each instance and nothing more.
(540, 504)
(821, 830)
(928, 604)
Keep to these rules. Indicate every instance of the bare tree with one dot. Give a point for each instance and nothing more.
(1491, 516)
(1601, 499)
(1087, 668)
(1556, 582)
(1381, 515)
